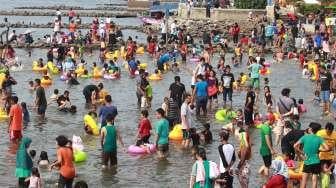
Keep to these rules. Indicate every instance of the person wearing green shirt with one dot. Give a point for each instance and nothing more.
(266, 148)
(162, 132)
(312, 145)
(109, 136)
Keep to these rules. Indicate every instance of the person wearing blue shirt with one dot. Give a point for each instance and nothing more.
(269, 33)
(318, 41)
(132, 66)
(164, 58)
(201, 94)
(107, 109)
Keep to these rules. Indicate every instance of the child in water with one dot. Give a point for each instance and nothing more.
(43, 160)
(268, 97)
(301, 107)
(206, 135)
(305, 72)
(35, 179)
(54, 96)
(317, 99)
(31, 86)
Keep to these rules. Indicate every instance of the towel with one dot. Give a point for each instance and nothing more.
(214, 170)
(200, 173)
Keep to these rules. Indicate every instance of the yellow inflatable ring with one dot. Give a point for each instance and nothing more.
(46, 82)
(52, 68)
(89, 121)
(3, 115)
(155, 77)
(37, 68)
(140, 50)
(177, 133)
(143, 66)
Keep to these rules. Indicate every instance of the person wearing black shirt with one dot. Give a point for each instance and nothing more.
(249, 103)
(177, 91)
(40, 100)
(325, 84)
(63, 101)
(227, 83)
(288, 141)
(87, 91)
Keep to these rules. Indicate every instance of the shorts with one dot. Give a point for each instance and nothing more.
(41, 110)
(186, 134)
(14, 135)
(312, 169)
(227, 93)
(255, 83)
(325, 96)
(163, 147)
(110, 156)
(213, 97)
(267, 160)
(143, 140)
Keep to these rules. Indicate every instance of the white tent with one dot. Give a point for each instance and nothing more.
(312, 2)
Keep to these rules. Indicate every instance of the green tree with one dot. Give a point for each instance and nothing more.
(250, 4)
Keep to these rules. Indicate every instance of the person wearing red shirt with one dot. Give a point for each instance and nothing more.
(244, 40)
(184, 51)
(236, 31)
(71, 14)
(151, 47)
(144, 129)
(15, 120)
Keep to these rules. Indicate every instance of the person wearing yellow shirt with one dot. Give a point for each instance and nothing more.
(327, 157)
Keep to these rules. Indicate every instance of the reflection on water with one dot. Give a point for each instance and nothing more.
(134, 171)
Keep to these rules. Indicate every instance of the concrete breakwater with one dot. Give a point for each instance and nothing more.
(101, 13)
(64, 7)
(50, 25)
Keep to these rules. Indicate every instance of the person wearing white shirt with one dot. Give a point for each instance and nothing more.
(59, 14)
(227, 158)
(173, 30)
(186, 111)
(163, 31)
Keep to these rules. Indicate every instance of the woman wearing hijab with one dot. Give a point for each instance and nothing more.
(280, 175)
(24, 163)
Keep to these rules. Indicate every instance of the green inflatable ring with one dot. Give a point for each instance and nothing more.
(225, 115)
(79, 156)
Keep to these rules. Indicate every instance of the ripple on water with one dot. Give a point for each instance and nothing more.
(139, 171)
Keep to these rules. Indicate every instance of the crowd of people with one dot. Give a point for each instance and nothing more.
(297, 151)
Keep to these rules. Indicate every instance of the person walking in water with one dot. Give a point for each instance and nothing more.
(162, 131)
(109, 135)
(40, 100)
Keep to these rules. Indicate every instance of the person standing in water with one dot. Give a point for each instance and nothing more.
(65, 162)
(162, 131)
(106, 110)
(186, 111)
(40, 99)
(15, 120)
(24, 162)
(109, 135)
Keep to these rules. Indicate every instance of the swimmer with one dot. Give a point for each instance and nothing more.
(53, 97)
(31, 85)
(26, 117)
